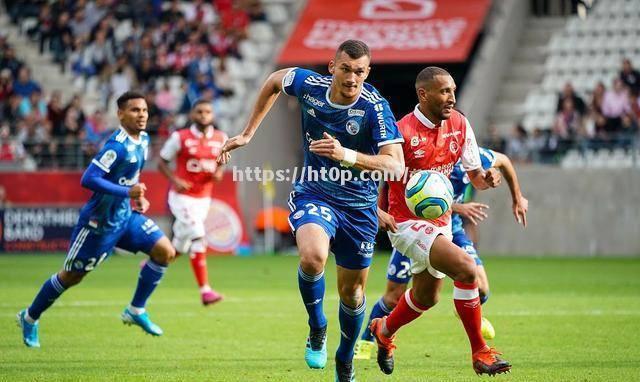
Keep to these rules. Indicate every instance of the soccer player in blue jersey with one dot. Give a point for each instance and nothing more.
(398, 270)
(346, 124)
(107, 221)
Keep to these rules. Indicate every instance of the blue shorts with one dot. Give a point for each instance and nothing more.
(399, 268)
(89, 248)
(461, 239)
(352, 231)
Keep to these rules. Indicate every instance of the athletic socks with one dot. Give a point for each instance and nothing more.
(312, 292)
(48, 294)
(150, 276)
(379, 310)
(407, 310)
(199, 266)
(467, 302)
(350, 323)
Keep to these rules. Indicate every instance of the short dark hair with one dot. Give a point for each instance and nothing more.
(427, 75)
(126, 96)
(201, 101)
(354, 49)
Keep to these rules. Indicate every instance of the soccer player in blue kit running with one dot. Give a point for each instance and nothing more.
(107, 221)
(346, 124)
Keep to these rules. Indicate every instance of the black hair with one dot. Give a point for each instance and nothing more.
(354, 49)
(427, 75)
(126, 96)
(200, 101)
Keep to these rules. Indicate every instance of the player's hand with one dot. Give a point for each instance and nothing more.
(472, 211)
(137, 191)
(218, 175)
(386, 222)
(231, 144)
(492, 177)
(520, 207)
(328, 147)
(182, 185)
(141, 204)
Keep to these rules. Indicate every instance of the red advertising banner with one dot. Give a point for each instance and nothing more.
(44, 191)
(397, 31)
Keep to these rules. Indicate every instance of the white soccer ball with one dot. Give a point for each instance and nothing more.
(428, 194)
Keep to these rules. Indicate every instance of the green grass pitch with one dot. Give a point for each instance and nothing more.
(556, 320)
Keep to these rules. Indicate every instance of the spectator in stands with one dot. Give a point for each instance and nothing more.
(60, 39)
(80, 24)
(121, 79)
(173, 13)
(33, 108)
(9, 61)
(569, 93)
(615, 104)
(24, 86)
(6, 85)
(165, 100)
(10, 112)
(518, 148)
(55, 114)
(201, 64)
(495, 141)
(568, 122)
(628, 131)
(597, 96)
(630, 76)
(255, 10)
(10, 149)
(100, 52)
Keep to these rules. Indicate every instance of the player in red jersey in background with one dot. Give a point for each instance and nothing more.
(194, 151)
(435, 137)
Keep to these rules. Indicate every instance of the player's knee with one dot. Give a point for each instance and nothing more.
(69, 279)
(351, 295)
(427, 298)
(392, 295)
(163, 252)
(311, 260)
(467, 271)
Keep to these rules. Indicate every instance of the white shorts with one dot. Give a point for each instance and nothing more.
(190, 214)
(414, 239)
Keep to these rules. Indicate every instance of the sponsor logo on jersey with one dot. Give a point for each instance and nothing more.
(133, 159)
(108, 158)
(418, 153)
(298, 214)
(451, 134)
(355, 113)
(428, 230)
(380, 117)
(312, 100)
(124, 181)
(352, 127)
(415, 141)
(288, 79)
(454, 147)
(311, 112)
(201, 165)
(366, 249)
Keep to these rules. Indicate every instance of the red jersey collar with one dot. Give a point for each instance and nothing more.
(424, 120)
(208, 131)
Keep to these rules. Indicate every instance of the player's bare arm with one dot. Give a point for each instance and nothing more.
(386, 222)
(180, 184)
(141, 204)
(482, 180)
(266, 98)
(519, 204)
(218, 174)
(389, 160)
(474, 212)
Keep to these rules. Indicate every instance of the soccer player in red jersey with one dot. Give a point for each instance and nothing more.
(194, 151)
(435, 137)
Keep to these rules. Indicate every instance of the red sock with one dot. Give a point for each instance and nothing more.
(199, 266)
(467, 302)
(407, 310)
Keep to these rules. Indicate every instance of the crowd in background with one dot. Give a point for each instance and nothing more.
(121, 45)
(607, 119)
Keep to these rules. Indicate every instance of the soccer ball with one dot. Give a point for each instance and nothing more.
(428, 194)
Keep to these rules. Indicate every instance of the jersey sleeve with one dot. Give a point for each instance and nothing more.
(487, 157)
(470, 151)
(109, 156)
(293, 82)
(171, 147)
(384, 126)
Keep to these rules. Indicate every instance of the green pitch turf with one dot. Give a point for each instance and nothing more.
(556, 320)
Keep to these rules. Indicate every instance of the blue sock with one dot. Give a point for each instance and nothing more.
(379, 310)
(350, 323)
(484, 298)
(49, 293)
(150, 276)
(312, 292)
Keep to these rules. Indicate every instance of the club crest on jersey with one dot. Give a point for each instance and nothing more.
(352, 127)
(415, 141)
(298, 215)
(454, 147)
